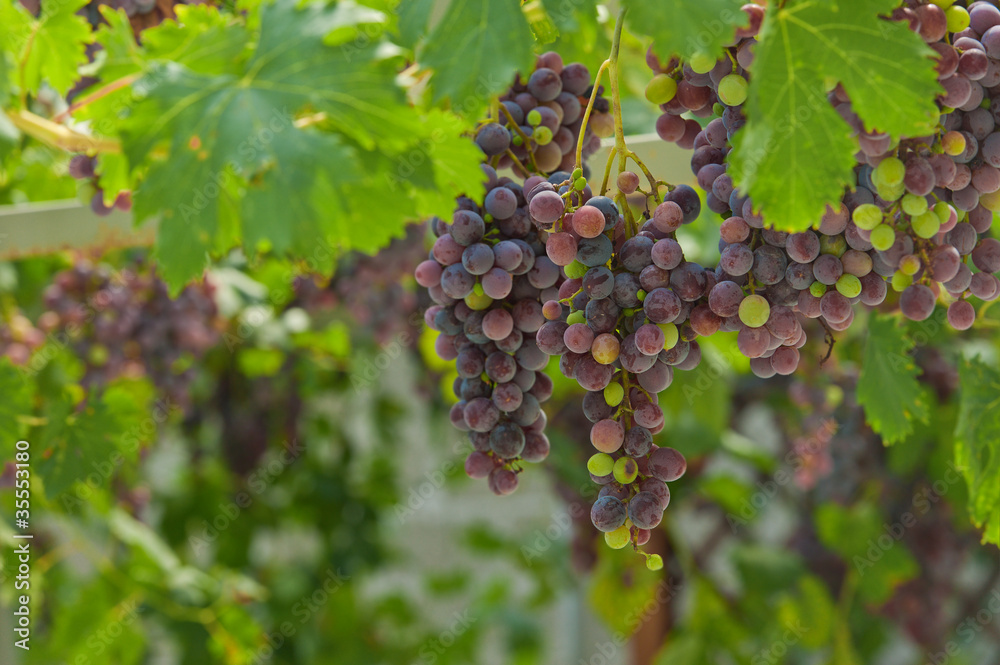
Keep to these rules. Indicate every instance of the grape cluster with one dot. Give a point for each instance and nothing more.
(83, 168)
(913, 220)
(487, 275)
(617, 326)
(371, 288)
(540, 120)
(126, 324)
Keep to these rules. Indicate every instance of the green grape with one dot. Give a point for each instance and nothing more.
(614, 394)
(867, 216)
(914, 205)
(882, 237)
(576, 270)
(542, 135)
(661, 89)
(701, 63)
(580, 184)
(601, 464)
(534, 117)
(618, 538)
(958, 18)
(909, 265)
(926, 225)
(835, 245)
(718, 109)
(943, 4)
(577, 172)
(990, 201)
(890, 171)
(943, 211)
(576, 317)
(654, 562)
(517, 140)
(890, 192)
(817, 289)
(849, 286)
(670, 335)
(733, 90)
(478, 301)
(625, 470)
(900, 280)
(641, 295)
(754, 311)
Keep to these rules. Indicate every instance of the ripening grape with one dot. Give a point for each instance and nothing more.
(733, 90)
(661, 89)
(754, 311)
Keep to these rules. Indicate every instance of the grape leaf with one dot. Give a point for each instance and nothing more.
(475, 51)
(414, 20)
(74, 445)
(16, 401)
(205, 134)
(685, 28)
(977, 444)
(50, 47)
(795, 154)
(888, 387)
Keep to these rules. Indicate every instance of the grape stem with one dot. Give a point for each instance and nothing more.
(587, 111)
(653, 183)
(524, 138)
(830, 341)
(517, 162)
(104, 91)
(607, 170)
(60, 136)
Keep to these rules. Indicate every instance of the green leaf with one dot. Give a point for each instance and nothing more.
(685, 28)
(208, 136)
(93, 441)
(202, 38)
(871, 547)
(888, 388)
(476, 50)
(414, 21)
(48, 48)
(795, 154)
(615, 602)
(17, 392)
(113, 175)
(977, 444)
